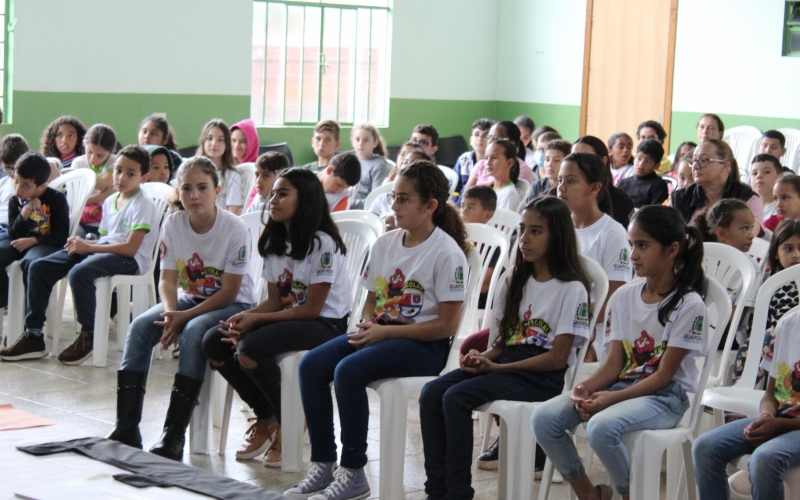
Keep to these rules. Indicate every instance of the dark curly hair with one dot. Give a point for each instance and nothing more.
(48, 142)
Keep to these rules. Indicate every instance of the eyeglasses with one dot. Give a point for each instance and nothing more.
(493, 138)
(401, 200)
(478, 135)
(424, 143)
(703, 162)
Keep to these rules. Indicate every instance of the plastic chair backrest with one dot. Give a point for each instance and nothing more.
(507, 221)
(358, 238)
(365, 216)
(672, 182)
(77, 185)
(487, 240)
(248, 171)
(768, 288)
(743, 140)
(378, 191)
(723, 263)
(759, 250)
(452, 177)
(792, 157)
(255, 267)
(469, 310)
(161, 194)
(523, 189)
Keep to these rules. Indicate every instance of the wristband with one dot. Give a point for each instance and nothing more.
(766, 413)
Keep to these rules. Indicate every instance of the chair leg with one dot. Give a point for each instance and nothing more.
(394, 415)
(292, 416)
(16, 303)
(688, 467)
(101, 312)
(200, 425)
(226, 420)
(123, 313)
(485, 422)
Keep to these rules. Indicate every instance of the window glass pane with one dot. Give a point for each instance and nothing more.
(276, 55)
(258, 61)
(330, 70)
(363, 3)
(362, 65)
(311, 59)
(294, 55)
(347, 67)
(377, 94)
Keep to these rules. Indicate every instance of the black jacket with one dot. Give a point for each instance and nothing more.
(690, 198)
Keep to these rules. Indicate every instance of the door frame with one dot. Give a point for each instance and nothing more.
(587, 53)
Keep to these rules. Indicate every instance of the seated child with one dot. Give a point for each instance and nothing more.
(652, 130)
(772, 143)
(466, 162)
(215, 144)
(99, 143)
(404, 150)
(63, 139)
(125, 247)
(764, 172)
(325, 142)
(12, 147)
(684, 171)
(268, 166)
(541, 145)
(477, 207)
(503, 165)
(526, 127)
(554, 153)
(538, 154)
(343, 172)
(645, 187)
(161, 166)
(427, 137)
(787, 200)
(371, 151)
(38, 226)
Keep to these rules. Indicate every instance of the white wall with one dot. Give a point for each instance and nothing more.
(540, 51)
(728, 59)
(133, 46)
(444, 49)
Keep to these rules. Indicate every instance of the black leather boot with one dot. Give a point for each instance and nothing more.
(130, 398)
(181, 404)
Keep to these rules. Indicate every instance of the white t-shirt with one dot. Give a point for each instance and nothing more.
(636, 324)
(617, 174)
(770, 210)
(258, 203)
(6, 192)
(508, 198)
(139, 212)
(232, 192)
(547, 310)
(783, 364)
(381, 206)
(736, 284)
(606, 242)
(409, 283)
(335, 198)
(202, 259)
(324, 264)
(108, 166)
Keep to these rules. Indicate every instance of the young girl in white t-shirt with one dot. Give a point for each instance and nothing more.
(583, 184)
(540, 318)
(416, 281)
(204, 250)
(215, 144)
(655, 327)
(308, 304)
(99, 144)
(503, 165)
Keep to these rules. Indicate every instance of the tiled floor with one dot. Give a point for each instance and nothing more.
(83, 398)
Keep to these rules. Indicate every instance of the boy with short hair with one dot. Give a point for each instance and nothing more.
(541, 143)
(651, 129)
(325, 142)
(128, 230)
(554, 153)
(343, 172)
(645, 186)
(427, 137)
(38, 219)
(478, 206)
(466, 162)
(772, 143)
(12, 147)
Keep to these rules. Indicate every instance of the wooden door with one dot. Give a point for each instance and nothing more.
(628, 65)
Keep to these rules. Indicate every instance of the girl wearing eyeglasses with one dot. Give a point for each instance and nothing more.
(716, 176)
(416, 280)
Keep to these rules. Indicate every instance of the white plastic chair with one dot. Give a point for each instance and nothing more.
(395, 393)
(161, 194)
(378, 191)
(742, 397)
(791, 479)
(508, 222)
(211, 394)
(517, 454)
(646, 448)
(452, 177)
(78, 185)
(792, 157)
(523, 188)
(724, 263)
(373, 220)
(248, 171)
(743, 140)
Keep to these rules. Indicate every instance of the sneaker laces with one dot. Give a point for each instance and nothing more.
(253, 430)
(80, 342)
(313, 474)
(341, 482)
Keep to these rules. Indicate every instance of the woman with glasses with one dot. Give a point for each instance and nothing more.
(716, 176)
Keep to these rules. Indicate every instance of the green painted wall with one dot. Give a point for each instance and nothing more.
(684, 125)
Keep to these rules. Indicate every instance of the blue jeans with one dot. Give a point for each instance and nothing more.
(9, 254)
(351, 370)
(713, 450)
(551, 421)
(143, 335)
(445, 410)
(82, 270)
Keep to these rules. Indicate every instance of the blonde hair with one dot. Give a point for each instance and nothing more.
(380, 144)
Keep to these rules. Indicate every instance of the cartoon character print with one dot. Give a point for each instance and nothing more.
(398, 300)
(41, 220)
(194, 274)
(643, 348)
(396, 283)
(643, 356)
(533, 331)
(284, 286)
(787, 392)
(197, 280)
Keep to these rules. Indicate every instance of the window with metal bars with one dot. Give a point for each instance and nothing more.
(315, 60)
(791, 30)
(7, 19)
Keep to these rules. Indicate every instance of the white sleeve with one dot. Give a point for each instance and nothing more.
(141, 215)
(574, 316)
(236, 255)
(103, 228)
(168, 241)
(616, 257)
(689, 328)
(448, 276)
(233, 194)
(325, 261)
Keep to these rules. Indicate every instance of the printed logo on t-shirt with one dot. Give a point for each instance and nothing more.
(197, 279)
(41, 219)
(696, 335)
(582, 316)
(241, 258)
(325, 265)
(292, 293)
(458, 280)
(787, 389)
(642, 356)
(124, 226)
(624, 261)
(398, 300)
(534, 331)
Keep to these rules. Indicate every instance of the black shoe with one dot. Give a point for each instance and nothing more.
(488, 459)
(184, 396)
(28, 346)
(130, 398)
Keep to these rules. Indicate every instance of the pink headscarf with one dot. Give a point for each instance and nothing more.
(248, 127)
